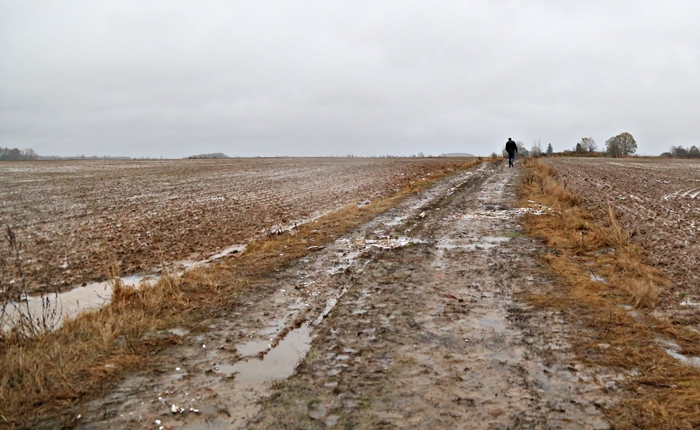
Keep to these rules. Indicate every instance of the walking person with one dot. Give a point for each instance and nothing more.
(511, 149)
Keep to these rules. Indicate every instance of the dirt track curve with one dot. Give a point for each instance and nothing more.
(411, 321)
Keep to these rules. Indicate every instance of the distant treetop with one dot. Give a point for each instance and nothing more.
(16, 154)
(209, 156)
(622, 145)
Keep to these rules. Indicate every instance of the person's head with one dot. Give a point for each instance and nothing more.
(510, 140)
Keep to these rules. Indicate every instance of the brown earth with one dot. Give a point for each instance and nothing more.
(413, 320)
(657, 201)
(77, 217)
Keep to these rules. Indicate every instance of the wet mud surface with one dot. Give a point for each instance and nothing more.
(412, 321)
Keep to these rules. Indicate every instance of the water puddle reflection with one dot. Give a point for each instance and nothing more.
(70, 303)
(94, 295)
(278, 363)
(254, 347)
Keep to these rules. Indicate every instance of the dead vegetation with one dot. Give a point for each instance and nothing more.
(45, 376)
(16, 315)
(608, 289)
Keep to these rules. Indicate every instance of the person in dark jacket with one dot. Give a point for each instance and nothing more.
(511, 149)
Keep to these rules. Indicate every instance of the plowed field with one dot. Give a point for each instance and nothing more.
(76, 217)
(658, 203)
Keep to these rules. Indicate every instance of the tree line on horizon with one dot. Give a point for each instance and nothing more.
(622, 145)
(681, 152)
(15, 154)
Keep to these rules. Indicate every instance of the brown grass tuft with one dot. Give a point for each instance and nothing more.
(598, 272)
(644, 295)
(618, 237)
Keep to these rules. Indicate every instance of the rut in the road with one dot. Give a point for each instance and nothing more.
(413, 323)
(428, 335)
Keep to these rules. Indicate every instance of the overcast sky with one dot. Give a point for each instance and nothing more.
(260, 77)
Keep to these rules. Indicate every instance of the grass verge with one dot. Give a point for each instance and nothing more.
(45, 377)
(608, 288)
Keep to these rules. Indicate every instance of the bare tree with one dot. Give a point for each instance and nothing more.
(536, 149)
(586, 144)
(522, 150)
(589, 144)
(681, 152)
(15, 154)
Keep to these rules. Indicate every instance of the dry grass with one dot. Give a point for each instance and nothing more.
(590, 247)
(43, 378)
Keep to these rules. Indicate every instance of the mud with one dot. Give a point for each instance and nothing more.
(76, 218)
(412, 321)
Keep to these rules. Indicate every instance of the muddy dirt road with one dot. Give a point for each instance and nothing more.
(412, 321)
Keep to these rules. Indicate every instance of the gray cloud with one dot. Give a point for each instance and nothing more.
(148, 78)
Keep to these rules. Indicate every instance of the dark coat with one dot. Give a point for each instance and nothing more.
(511, 147)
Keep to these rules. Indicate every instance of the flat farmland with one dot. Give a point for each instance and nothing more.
(74, 218)
(658, 203)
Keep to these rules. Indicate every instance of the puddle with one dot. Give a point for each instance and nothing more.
(188, 264)
(672, 349)
(254, 347)
(70, 303)
(278, 363)
(96, 294)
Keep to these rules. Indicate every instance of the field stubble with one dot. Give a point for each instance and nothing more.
(45, 376)
(658, 203)
(75, 218)
(626, 307)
